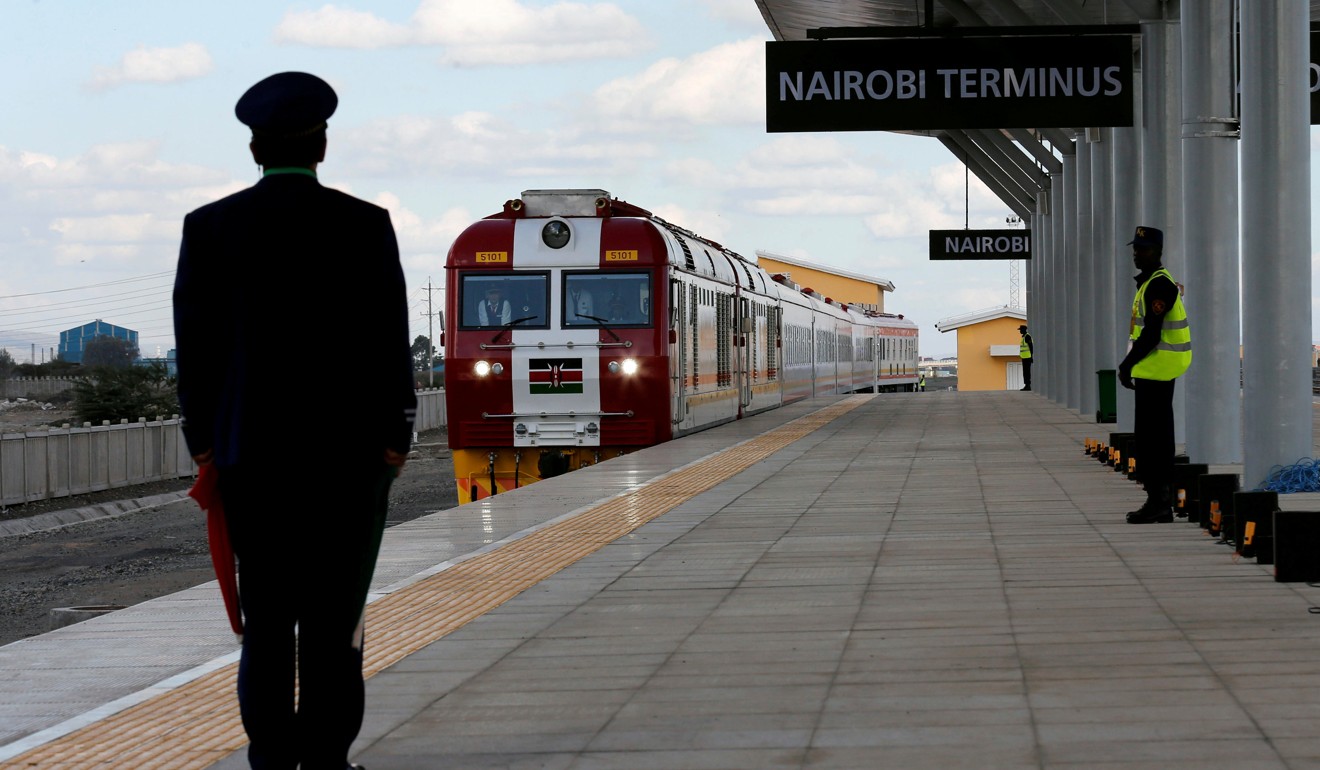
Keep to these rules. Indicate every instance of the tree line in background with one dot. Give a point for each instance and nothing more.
(422, 353)
(109, 386)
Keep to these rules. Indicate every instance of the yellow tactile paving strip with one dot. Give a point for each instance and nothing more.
(197, 724)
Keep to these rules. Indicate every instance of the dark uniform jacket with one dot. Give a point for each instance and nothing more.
(291, 320)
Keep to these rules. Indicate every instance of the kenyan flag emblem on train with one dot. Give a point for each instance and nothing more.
(555, 375)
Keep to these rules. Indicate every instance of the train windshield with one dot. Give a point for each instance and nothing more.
(490, 301)
(618, 299)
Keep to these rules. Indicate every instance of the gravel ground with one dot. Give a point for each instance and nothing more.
(145, 554)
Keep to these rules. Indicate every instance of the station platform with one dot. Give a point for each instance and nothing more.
(931, 580)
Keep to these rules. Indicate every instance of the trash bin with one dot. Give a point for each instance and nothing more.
(1108, 411)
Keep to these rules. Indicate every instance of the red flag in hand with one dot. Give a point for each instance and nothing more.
(206, 491)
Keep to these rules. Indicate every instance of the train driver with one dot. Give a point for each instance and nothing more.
(494, 311)
(580, 302)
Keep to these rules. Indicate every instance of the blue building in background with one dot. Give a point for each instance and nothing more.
(74, 341)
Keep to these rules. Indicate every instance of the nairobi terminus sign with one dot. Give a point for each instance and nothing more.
(980, 244)
(897, 84)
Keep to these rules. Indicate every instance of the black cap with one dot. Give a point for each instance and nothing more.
(1147, 237)
(1022, 328)
(289, 104)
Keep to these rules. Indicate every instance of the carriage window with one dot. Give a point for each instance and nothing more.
(493, 300)
(618, 299)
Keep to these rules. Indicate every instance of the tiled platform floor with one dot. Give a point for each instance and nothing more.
(935, 580)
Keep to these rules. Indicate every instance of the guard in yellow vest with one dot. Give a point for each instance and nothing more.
(1161, 352)
(1027, 351)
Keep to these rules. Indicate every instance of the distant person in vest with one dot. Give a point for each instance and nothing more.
(921, 383)
(1028, 352)
(1161, 352)
(494, 311)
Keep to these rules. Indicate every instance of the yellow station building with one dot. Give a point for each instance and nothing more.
(988, 348)
(864, 291)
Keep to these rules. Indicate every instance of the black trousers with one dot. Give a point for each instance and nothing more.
(1153, 424)
(306, 541)
(1026, 372)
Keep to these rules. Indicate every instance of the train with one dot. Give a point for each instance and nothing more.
(580, 327)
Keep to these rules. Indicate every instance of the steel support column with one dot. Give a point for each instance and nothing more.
(1034, 303)
(1083, 310)
(1276, 216)
(1104, 322)
(1161, 148)
(1036, 300)
(1210, 199)
(1054, 353)
(1127, 215)
(1072, 387)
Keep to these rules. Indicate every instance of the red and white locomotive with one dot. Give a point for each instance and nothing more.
(581, 327)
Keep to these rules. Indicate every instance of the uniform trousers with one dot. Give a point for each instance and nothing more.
(1153, 424)
(306, 540)
(1026, 372)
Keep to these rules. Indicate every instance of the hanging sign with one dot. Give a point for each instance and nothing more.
(1315, 76)
(980, 244)
(934, 83)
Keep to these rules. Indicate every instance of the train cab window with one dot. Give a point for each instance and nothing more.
(618, 299)
(492, 300)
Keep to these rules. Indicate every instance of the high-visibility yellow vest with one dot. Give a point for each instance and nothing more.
(1024, 349)
(1173, 354)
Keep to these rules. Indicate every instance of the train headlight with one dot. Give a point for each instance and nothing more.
(593, 428)
(555, 234)
(482, 368)
(627, 366)
(497, 369)
(520, 429)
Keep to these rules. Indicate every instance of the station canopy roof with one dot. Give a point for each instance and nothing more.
(790, 19)
(1013, 163)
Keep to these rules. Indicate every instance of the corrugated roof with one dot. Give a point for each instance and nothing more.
(981, 316)
(881, 282)
(790, 19)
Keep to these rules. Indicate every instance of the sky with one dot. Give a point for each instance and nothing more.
(119, 120)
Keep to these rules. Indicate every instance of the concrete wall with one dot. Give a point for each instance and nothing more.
(430, 409)
(38, 465)
(977, 369)
(37, 388)
(44, 464)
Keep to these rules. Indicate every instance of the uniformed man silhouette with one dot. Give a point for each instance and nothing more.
(1161, 353)
(303, 490)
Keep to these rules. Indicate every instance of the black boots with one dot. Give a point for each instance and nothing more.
(1158, 508)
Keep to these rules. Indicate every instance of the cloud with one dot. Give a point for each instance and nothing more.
(155, 65)
(490, 32)
(113, 203)
(479, 143)
(819, 176)
(721, 86)
(421, 240)
(737, 12)
(332, 27)
(708, 224)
